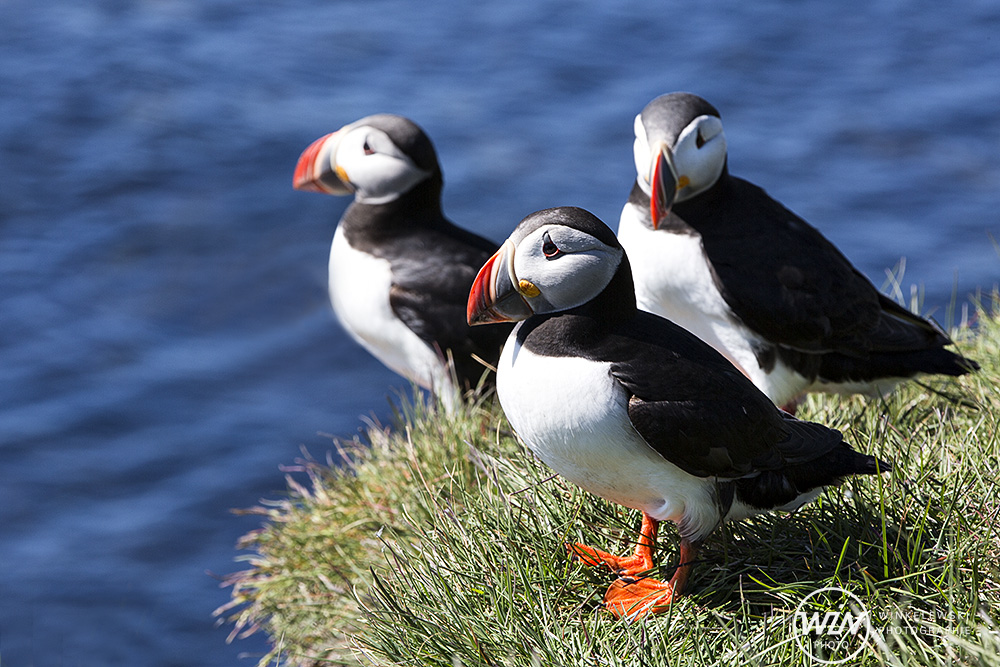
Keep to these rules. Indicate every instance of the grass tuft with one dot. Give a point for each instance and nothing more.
(439, 542)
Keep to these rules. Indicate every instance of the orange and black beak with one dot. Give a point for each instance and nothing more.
(496, 294)
(316, 171)
(663, 182)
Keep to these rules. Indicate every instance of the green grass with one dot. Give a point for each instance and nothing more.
(440, 543)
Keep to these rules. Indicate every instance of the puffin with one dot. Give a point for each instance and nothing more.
(399, 270)
(636, 409)
(718, 256)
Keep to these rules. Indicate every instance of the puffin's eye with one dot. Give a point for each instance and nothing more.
(368, 149)
(698, 141)
(549, 249)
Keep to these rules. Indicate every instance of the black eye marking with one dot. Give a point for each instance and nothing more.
(698, 141)
(368, 149)
(549, 249)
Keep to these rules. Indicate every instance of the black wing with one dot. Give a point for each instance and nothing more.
(786, 281)
(690, 404)
(430, 291)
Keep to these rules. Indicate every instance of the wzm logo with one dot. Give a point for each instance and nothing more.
(831, 625)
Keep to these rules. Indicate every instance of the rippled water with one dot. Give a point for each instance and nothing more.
(165, 340)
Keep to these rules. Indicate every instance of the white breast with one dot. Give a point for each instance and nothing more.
(673, 280)
(573, 415)
(359, 291)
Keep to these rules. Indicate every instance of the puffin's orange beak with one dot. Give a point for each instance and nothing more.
(664, 186)
(494, 297)
(315, 171)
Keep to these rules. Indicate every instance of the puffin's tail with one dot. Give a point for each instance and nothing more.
(838, 464)
(901, 345)
(783, 487)
(933, 361)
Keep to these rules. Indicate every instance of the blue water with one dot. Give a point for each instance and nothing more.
(165, 340)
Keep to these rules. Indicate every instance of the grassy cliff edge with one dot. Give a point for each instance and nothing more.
(439, 542)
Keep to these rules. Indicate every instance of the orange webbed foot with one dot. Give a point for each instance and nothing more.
(632, 595)
(635, 599)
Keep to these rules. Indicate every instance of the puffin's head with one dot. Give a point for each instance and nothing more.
(680, 150)
(555, 260)
(378, 158)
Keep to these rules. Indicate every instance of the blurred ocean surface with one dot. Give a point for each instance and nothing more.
(165, 339)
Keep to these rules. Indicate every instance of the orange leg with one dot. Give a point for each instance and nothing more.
(634, 596)
(625, 566)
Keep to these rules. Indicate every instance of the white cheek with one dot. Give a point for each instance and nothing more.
(702, 166)
(561, 289)
(381, 178)
(641, 154)
(573, 280)
(576, 275)
(639, 129)
(378, 178)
